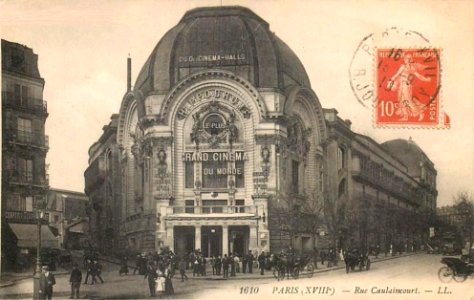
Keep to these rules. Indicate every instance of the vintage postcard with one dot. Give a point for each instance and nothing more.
(235, 148)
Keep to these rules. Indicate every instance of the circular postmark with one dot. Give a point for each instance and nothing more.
(397, 74)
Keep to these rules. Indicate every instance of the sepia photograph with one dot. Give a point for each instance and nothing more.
(272, 149)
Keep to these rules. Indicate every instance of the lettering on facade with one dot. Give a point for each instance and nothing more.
(215, 156)
(212, 58)
(215, 94)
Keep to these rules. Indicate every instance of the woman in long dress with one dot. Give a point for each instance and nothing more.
(169, 290)
(402, 81)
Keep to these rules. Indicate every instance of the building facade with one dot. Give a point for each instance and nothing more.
(223, 146)
(24, 146)
(102, 187)
(65, 208)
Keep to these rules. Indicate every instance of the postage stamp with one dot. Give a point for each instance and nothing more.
(397, 74)
(407, 86)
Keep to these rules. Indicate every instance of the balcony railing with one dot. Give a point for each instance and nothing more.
(31, 138)
(28, 103)
(218, 209)
(13, 176)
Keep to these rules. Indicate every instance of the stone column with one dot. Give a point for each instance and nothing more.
(225, 239)
(253, 238)
(197, 237)
(170, 237)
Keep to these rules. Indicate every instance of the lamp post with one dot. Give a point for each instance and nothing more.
(36, 277)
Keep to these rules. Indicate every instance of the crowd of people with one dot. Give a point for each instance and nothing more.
(159, 268)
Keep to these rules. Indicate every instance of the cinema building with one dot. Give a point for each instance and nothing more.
(220, 131)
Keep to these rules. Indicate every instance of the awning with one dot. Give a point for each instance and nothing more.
(79, 227)
(27, 235)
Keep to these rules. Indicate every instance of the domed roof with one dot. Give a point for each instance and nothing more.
(409, 153)
(231, 38)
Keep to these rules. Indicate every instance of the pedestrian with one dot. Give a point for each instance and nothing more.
(213, 265)
(261, 262)
(169, 290)
(196, 267)
(46, 283)
(232, 265)
(75, 280)
(244, 263)
(123, 266)
(88, 271)
(97, 271)
(218, 265)
(182, 269)
(203, 266)
(237, 263)
(315, 257)
(151, 275)
(138, 259)
(250, 259)
(225, 266)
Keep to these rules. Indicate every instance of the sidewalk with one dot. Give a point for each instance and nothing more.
(10, 278)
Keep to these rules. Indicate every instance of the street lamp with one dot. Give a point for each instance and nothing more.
(40, 206)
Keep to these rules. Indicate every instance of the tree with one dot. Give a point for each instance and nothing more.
(293, 214)
(464, 209)
(311, 216)
(335, 219)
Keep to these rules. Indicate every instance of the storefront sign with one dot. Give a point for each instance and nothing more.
(215, 156)
(212, 58)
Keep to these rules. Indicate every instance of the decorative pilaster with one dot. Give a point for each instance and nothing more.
(225, 239)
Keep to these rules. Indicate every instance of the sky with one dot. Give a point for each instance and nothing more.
(83, 47)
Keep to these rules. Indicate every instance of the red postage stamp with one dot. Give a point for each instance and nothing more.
(407, 87)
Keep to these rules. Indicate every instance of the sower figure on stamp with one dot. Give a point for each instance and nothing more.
(402, 81)
(46, 283)
(75, 280)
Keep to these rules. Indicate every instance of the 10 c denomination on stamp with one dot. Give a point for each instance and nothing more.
(407, 86)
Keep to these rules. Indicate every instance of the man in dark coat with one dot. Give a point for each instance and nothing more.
(261, 262)
(250, 259)
(151, 274)
(225, 266)
(232, 265)
(96, 271)
(218, 263)
(182, 269)
(75, 280)
(88, 271)
(46, 283)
